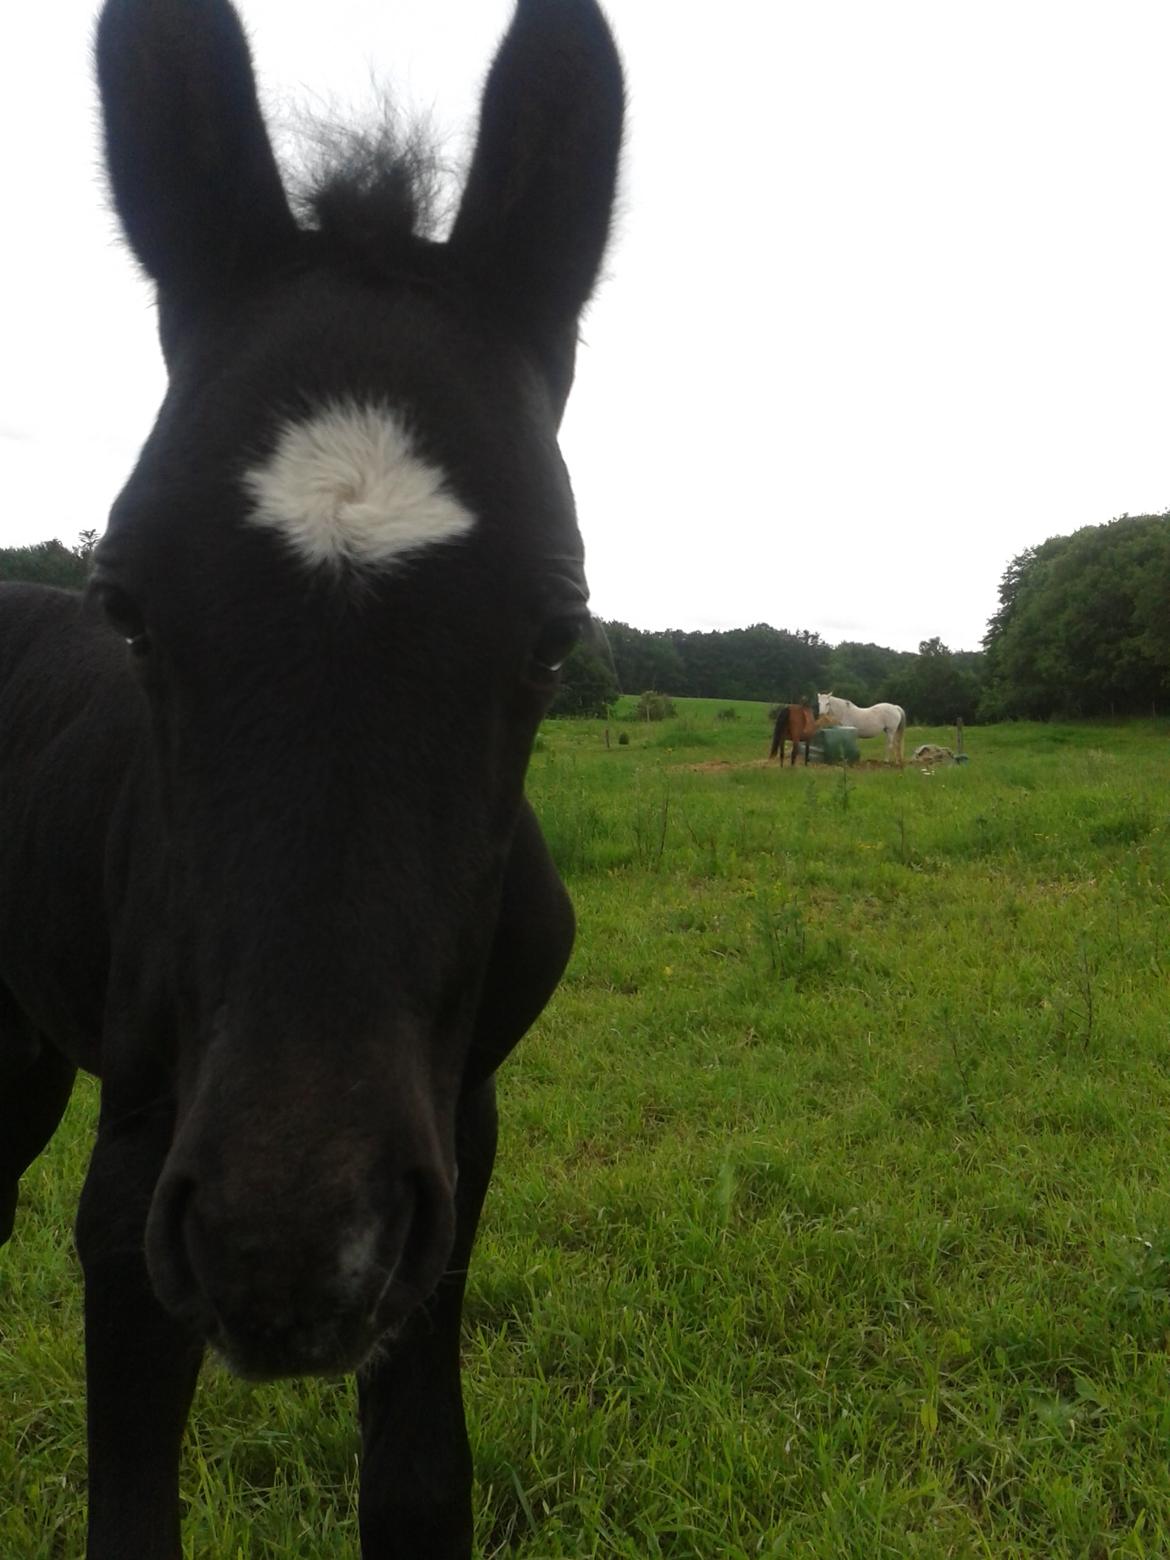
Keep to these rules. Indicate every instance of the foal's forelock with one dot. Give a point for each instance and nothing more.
(346, 484)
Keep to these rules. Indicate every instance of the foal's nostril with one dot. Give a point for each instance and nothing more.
(427, 1225)
(168, 1251)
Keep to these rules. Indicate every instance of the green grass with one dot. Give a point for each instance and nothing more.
(832, 1215)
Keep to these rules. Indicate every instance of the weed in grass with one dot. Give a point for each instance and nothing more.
(968, 1103)
(705, 838)
(1088, 964)
(792, 949)
(573, 825)
(648, 824)
(902, 849)
(1074, 997)
(1140, 1291)
(783, 935)
(1127, 828)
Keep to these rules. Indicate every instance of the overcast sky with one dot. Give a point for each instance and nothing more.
(889, 301)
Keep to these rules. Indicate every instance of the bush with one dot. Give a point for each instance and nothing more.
(654, 706)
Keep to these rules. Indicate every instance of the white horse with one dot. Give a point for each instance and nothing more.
(872, 721)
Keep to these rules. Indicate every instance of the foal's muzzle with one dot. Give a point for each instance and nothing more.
(298, 1290)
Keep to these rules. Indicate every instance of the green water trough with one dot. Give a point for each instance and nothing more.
(834, 745)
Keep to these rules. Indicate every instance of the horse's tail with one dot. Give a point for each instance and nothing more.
(779, 729)
(901, 721)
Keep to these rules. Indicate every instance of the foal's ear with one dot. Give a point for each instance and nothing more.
(191, 168)
(535, 214)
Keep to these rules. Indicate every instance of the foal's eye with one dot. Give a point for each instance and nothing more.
(554, 642)
(123, 615)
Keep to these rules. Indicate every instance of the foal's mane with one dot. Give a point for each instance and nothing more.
(369, 191)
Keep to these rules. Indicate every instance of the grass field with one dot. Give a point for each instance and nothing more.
(832, 1215)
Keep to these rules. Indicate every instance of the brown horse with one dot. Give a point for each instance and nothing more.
(797, 724)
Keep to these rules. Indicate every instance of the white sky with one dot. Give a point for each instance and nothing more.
(890, 299)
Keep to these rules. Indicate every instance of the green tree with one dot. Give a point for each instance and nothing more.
(588, 685)
(938, 688)
(49, 563)
(1152, 607)
(1080, 628)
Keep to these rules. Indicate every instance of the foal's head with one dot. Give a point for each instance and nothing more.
(347, 568)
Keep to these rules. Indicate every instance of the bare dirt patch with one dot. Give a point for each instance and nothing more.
(722, 765)
(717, 765)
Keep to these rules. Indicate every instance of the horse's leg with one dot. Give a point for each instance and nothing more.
(141, 1365)
(415, 1498)
(416, 1463)
(35, 1084)
(31, 1105)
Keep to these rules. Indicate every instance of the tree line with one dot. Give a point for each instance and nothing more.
(771, 664)
(1082, 629)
